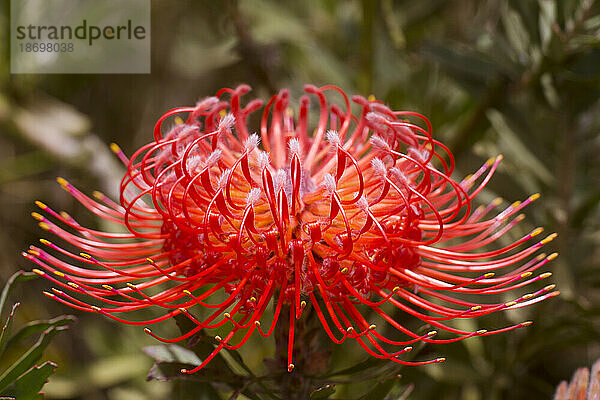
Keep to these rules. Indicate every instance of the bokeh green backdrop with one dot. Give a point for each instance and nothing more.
(520, 77)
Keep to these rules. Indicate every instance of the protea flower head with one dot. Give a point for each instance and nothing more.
(340, 211)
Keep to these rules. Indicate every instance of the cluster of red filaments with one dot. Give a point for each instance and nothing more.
(358, 213)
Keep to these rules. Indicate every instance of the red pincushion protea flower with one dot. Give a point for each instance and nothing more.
(362, 214)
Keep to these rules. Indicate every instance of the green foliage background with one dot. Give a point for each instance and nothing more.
(517, 77)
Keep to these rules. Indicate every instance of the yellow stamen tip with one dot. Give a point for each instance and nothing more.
(349, 329)
(41, 205)
(371, 97)
(526, 323)
(549, 238)
(302, 304)
(218, 338)
(545, 275)
(257, 323)
(552, 256)
(62, 181)
(489, 275)
(151, 261)
(183, 371)
(541, 256)
(65, 215)
(510, 304)
(34, 252)
(431, 333)
(536, 231)
(85, 255)
(534, 197)
(528, 296)
(95, 308)
(44, 226)
(481, 331)
(58, 273)
(48, 294)
(526, 274)
(147, 330)
(183, 310)
(395, 289)
(440, 360)
(490, 161)
(372, 326)
(549, 287)
(227, 315)
(253, 299)
(497, 201)
(344, 270)
(107, 287)
(178, 120)
(291, 367)
(46, 242)
(37, 216)
(37, 271)
(520, 217)
(500, 157)
(131, 285)
(187, 292)
(73, 285)
(98, 195)
(516, 204)
(115, 148)
(475, 308)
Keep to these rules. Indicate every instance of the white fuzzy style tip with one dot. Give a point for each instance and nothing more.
(253, 196)
(279, 179)
(380, 144)
(378, 167)
(207, 102)
(362, 203)
(419, 155)
(223, 178)
(193, 163)
(377, 118)
(214, 157)
(328, 183)
(226, 122)
(333, 137)
(252, 142)
(399, 175)
(263, 160)
(294, 147)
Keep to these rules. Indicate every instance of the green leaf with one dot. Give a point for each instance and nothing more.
(28, 359)
(34, 327)
(380, 390)
(18, 276)
(516, 33)
(323, 392)
(6, 328)
(512, 144)
(172, 353)
(29, 384)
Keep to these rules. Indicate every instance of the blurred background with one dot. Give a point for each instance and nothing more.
(520, 78)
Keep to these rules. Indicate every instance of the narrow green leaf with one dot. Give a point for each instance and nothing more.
(380, 390)
(28, 359)
(323, 392)
(18, 276)
(172, 353)
(34, 327)
(6, 328)
(28, 386)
